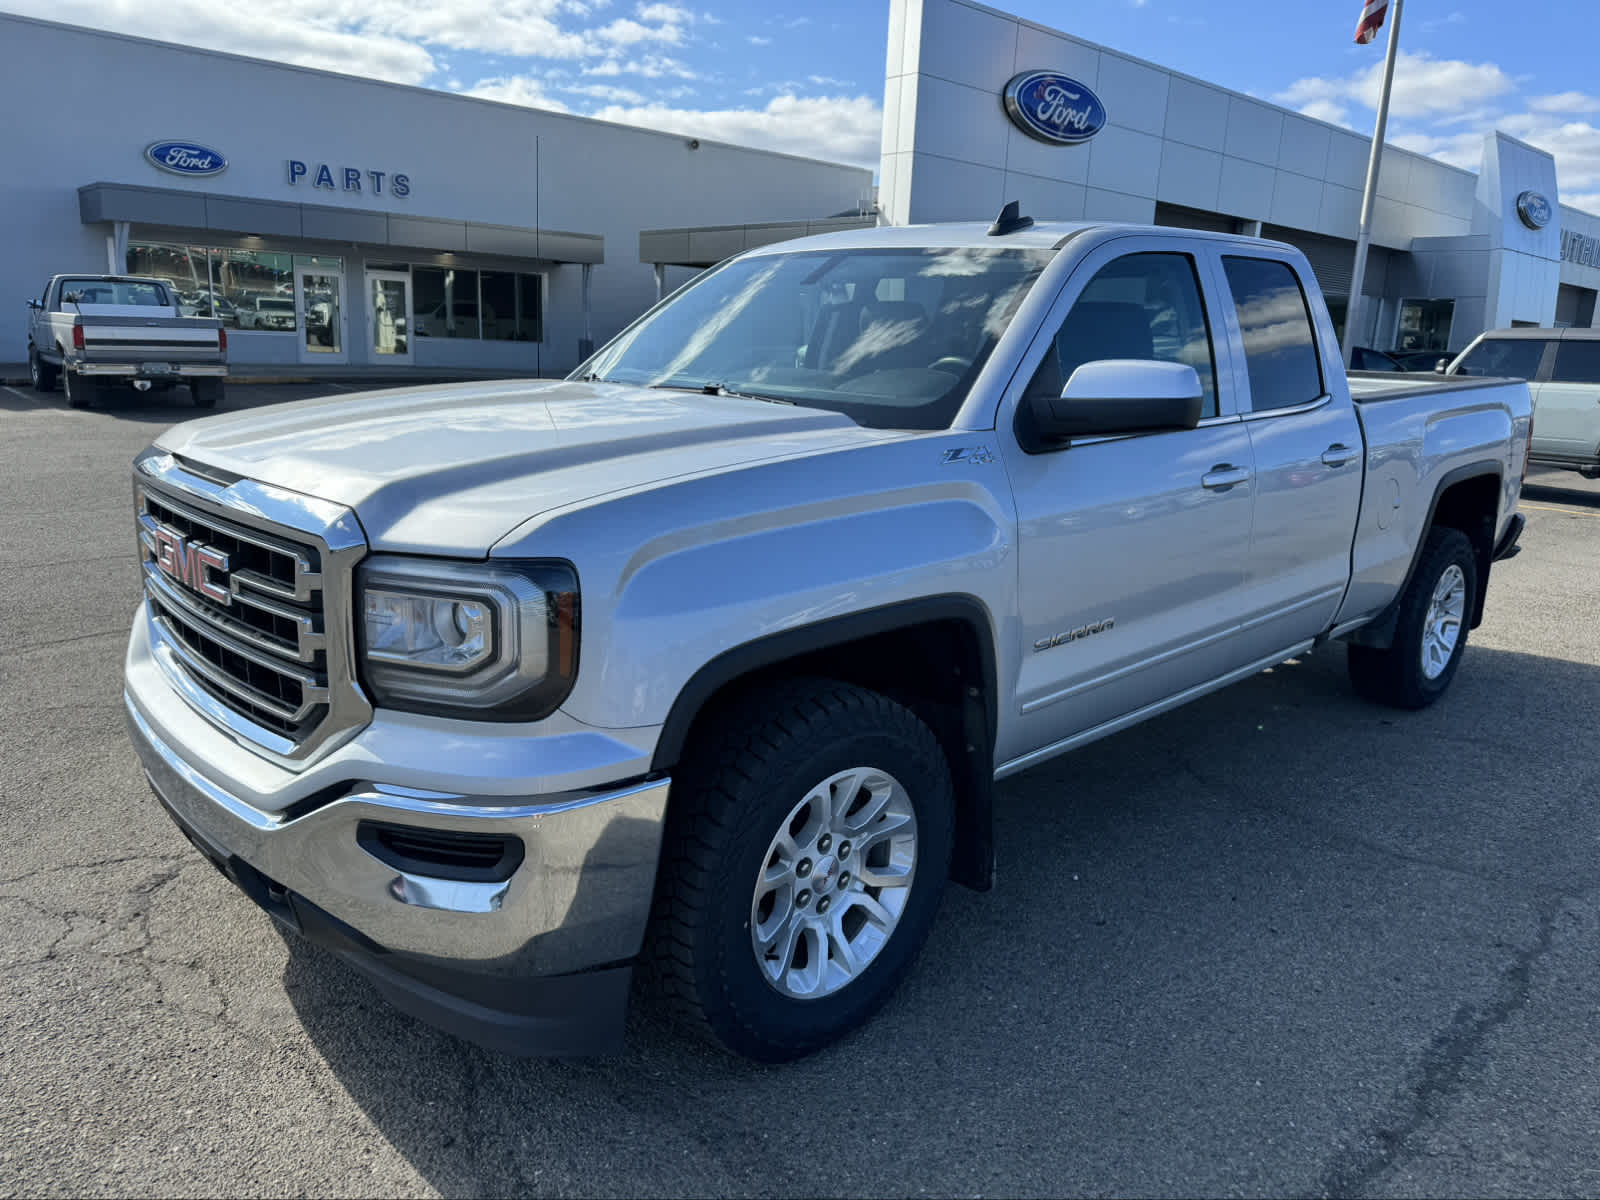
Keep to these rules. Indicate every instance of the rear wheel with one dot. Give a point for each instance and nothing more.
(1431, 632)
(806, 854)
(81, 392)
(206, 392)
(42, 373)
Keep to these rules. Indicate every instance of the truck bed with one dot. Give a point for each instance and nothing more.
(1422, 431)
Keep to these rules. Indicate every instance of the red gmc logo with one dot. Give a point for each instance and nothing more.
(187, 561)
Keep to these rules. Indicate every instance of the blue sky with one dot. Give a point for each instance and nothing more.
(808, 78)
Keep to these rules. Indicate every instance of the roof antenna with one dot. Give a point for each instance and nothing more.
(1009, 221)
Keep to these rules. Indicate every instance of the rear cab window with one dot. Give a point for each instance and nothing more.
(1577, 362)
(1508, 358)
(1280, 348)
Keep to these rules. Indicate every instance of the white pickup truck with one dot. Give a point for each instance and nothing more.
(99, 333)
(707, 659)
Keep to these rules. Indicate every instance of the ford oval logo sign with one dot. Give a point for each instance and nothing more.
(1534, 209)
(185, 158)
(1053, 108)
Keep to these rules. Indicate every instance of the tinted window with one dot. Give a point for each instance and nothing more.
(1141, 306)
(1513, 358)
(1280, 352)
(1577, 362)
(445, 303)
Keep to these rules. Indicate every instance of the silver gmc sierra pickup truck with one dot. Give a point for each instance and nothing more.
(702, 664)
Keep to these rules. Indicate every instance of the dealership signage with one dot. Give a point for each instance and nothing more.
(185, 158)
(349, 179)
(1534, 209)
(1575, 248)
(1053, 108)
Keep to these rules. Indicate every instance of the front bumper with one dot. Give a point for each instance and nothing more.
(536, 963)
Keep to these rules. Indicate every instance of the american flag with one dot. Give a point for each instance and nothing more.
(1371, 21)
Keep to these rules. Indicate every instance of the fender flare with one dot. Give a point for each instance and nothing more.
(1379, 632)
(979, 707)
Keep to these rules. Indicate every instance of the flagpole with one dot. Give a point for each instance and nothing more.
(1369, 197)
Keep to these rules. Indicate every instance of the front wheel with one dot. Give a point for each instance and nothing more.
(1431, 632)
(42, 373)
(806, 854)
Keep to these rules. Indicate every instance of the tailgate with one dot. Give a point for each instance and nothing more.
(136, 339)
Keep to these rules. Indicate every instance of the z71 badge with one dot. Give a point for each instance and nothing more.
(1072, 635)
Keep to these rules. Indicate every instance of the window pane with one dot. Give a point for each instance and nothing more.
(1280, 353)
(182, 268)
(1424, 324)
(446, 302)
(499, 298)
(254, 289)
(1577, 362)
(1512, 358)
(1141, 306)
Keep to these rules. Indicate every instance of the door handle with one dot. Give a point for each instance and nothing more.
(1337, 455)
(1223, 476)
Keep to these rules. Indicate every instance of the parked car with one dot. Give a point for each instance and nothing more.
(705, 660)
(268, 312)
(1562, 367)
(100, 333)
(463, 320)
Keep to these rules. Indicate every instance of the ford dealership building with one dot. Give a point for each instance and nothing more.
(328, 219)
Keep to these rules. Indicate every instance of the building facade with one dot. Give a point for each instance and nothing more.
(328, 219)
(1453, 252)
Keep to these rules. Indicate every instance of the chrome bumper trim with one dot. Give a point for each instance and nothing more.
(132, 370)
(580, 899)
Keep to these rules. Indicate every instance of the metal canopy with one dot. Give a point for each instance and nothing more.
(180, 208)
(707, 245)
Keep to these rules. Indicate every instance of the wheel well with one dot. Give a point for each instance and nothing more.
(1470, 506)
(942, 669)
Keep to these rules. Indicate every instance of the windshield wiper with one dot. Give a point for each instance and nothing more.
(711, 388)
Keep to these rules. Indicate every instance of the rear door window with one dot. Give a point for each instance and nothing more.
(1508, 358)
(1577, 362)
(1280, 349)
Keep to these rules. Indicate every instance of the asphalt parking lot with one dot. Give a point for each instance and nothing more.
(1278, 942)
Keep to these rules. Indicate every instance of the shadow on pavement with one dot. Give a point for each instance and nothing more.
(1219, 946)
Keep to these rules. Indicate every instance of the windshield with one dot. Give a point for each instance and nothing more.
(890, 338)
(115, 291)
(275, 305)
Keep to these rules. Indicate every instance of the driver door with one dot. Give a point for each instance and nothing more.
(1132, 550)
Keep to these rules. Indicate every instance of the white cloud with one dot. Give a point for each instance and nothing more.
(606, 91)
(1565, 102)
(1438, 23)
(757, 40)
(290, 31)
(1327, 110)
(517, 89)
(841, 129)
(1423, 86)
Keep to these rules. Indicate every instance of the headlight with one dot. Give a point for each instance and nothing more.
(493, 641)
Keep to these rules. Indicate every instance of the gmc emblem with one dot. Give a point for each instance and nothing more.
(187, 561)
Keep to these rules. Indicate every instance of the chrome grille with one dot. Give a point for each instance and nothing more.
(249, 615)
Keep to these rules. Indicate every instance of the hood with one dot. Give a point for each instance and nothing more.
(452, 469)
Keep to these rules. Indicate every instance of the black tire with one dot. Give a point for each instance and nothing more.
(206, 392)
(43, 373)
(1395, 676)
(81, 392)
(739, 785)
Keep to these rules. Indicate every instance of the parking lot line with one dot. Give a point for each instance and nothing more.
(17, 394)
(1571, 512)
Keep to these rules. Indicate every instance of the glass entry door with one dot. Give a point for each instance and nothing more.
(389, 322)
(319, 285)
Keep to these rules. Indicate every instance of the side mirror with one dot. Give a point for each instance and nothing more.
(1121, 395)
(1439, 367)
(32, 303)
